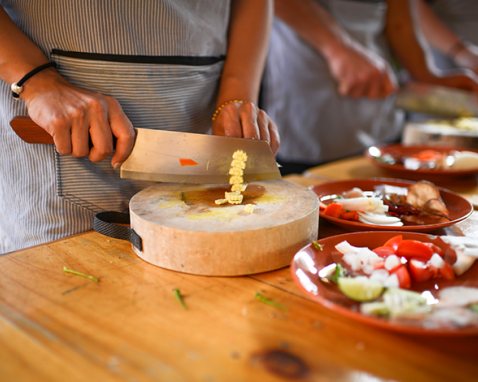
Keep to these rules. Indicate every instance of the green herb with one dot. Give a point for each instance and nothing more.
(259, 296)
(81, 274)
(179, 297)
(474, 308)
(338, 273)
(317, 245)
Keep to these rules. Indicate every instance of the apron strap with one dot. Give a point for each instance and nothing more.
(116, 225)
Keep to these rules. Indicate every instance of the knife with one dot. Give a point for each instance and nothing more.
(177, 157)
(437, 100)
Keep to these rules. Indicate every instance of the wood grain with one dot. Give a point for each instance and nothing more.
(130, 327)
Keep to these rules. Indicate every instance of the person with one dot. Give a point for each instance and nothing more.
(412, 28)
(451, 33)
(332, 74)
(328, 82)
(158, 64)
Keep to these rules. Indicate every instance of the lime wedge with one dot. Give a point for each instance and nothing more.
(360, 288)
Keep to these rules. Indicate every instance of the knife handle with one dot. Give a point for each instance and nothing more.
(29, 131)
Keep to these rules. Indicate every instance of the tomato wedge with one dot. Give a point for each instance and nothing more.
(419, 270)
(393, 242)
(414, 249)
(334, 210)
(404, 280)
(384, 251)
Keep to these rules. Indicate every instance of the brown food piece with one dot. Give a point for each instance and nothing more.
(425, 196)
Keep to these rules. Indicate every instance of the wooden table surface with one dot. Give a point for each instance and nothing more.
(130, 327)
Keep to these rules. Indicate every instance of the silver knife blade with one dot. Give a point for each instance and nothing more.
(177, 157)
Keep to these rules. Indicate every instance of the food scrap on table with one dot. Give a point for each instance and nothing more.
(260, 297)
(179, 297)
(81, 274)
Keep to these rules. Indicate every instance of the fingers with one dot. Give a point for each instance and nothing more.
(246, 120)
(99, 130)
(123, 130)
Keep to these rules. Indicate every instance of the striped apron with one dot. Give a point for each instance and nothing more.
(161, 59)
(315, 122)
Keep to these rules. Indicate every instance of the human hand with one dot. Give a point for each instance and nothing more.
(246, 120)
(74, 116)
(360, 72)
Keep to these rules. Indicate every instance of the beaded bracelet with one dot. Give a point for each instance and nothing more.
(17, 87)
(222, 105)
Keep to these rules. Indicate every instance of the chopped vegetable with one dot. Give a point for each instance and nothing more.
(360, 288)
(260, 297)
(179, 297)
(317, 245)
(339, 272)
(81, 274)
(187, 162)
(414, 249)
(238, 164)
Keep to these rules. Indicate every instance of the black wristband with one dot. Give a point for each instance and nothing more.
(17, 87)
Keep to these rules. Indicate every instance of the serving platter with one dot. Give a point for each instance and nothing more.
(459, 208)
(401, 159)
(309, 261)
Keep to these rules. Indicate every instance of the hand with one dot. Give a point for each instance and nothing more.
(360, 73)
(73, 116)
(246, 120)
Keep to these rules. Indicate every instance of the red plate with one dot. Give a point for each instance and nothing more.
(379, 155)
(458, 207)
(308, 262)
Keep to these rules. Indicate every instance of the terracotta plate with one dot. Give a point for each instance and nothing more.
(308, 262)
(458, 207)
(382, 156)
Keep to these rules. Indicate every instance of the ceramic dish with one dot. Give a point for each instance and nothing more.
(399, 159)
(308, 261)
(459, 208)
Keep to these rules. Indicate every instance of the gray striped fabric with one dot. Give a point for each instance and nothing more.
(162, 96)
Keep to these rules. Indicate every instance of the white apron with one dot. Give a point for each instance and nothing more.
(316, 124)
(161, 59)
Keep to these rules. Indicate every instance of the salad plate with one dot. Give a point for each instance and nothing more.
(309, 263)
(459, 208)
(424, 160)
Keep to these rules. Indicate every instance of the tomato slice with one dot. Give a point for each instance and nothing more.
(404, 280)
(419, 270)
(334, 210)
(350, 215)
(384, 251)
(393, 242)
(414, 249)
(445, 271)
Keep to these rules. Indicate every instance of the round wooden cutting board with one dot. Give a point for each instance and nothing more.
(184, 230)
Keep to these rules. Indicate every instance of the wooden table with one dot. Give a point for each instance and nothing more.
(130, 327)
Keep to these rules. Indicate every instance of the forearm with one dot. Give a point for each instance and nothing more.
(404, 42)
(313, 24)
(437, 34)
(18, 54)
(247, 49)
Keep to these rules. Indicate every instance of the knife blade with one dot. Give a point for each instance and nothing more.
(177, 157)
(437, 100)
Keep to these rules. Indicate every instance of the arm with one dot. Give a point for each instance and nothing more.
(443, 39)
(357, 71)
(69, 114)
(248, 35)
(404, 42)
